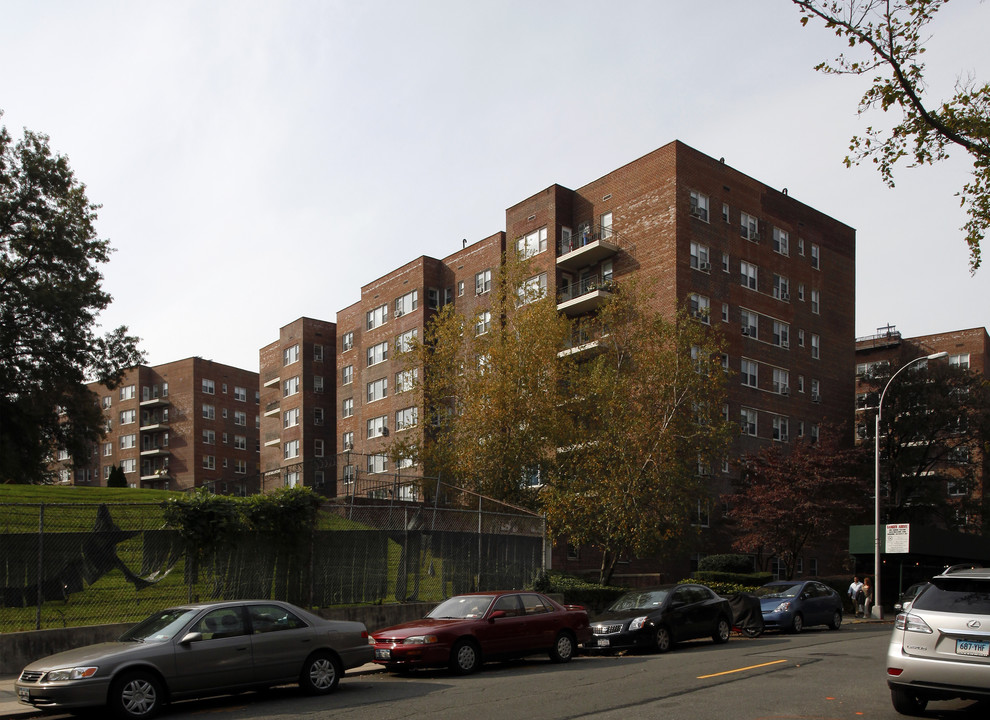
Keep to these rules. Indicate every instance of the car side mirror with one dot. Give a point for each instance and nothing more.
(496, 614)
(191, 637)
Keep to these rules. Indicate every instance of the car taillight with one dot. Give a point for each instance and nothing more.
(911, 623)
(894, 671)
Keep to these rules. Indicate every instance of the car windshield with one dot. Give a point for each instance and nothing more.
(462, 606)
(787, 590)
(957, 595)
(639, 601)
(160, 626)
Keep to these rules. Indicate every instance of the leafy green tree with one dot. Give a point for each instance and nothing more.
(934, 434)
(887, 38)
(117, 477)
(50, 296)
(647, 415)
(788, 499)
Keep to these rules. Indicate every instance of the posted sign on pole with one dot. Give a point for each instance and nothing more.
(898, 538)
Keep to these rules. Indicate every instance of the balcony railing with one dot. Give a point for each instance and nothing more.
(585, 295)
(587, 248)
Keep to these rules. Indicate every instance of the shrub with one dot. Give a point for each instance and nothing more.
(727, 563)
(747, 579)
(577, 591)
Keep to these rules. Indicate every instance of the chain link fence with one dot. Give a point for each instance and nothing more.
(67, 565)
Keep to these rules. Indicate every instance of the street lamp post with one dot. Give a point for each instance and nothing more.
(877, 611)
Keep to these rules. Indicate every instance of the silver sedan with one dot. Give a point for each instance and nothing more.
(196, 650)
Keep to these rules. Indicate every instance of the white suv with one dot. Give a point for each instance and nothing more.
(940, 647)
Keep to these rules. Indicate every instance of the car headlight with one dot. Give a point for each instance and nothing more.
(74, 673)
(420, 640)
(911, 623)
(783, 607)
(638, 623)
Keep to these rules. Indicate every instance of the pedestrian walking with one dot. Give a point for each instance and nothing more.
(855, 589)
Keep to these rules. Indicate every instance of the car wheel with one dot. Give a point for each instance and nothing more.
(465, 657)
(836, 621)
(137, 695)
(797, 624)
(906, 702)
(721, 632)
(563, 648)
(320, 674)
(662, 639)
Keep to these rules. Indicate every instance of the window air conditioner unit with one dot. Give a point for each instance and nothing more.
(398, 313)
(785, 296)
(705, 267)
(784, 344)
(784, 437)
(745, 330)
(348, 446)
(785, 391)
(815, 397)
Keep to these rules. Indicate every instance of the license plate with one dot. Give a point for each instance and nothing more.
(24, 694)
(968, 647)
(383, 654)
(603, 642)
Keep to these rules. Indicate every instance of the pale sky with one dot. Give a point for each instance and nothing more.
(261, 160)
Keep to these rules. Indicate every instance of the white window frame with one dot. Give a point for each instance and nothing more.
(749, 373)
(781, 241)
(347, 375)
(377, 390)
(290, 355)
(290, 418)
(749, 420)
(483, 282)
(699, 205)
(532, 243)
(290, 450)
(749, 227)
(406, 418)
(377, 427)
(347, 407)
(406, 303)
(290, 386)
(377, 317)
(700, 257)
(749, 275)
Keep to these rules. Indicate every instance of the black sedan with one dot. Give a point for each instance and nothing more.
(197, 650)
(656, 618)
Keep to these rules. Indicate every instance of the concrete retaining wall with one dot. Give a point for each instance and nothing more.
(20, 648)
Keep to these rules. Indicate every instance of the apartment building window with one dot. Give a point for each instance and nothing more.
(801, 292)
(318, 416)
(318, 447)
(377, 353)
(126, 442)
(377, 463)
(699, 205)
(816, 388)
(240, 394)
(460, 288)
(700, 307)
(290, 355)
(725, 312)
(406, 303)
(106, 471)
(209, 437)
(292, 478)
(406, 418)
(816, 297)
(747, 420)
(346, 341)
(290, 418)
(107, 401)
(240, 467)
(781, 381)
(126, 393)
(404, 342)
(377, 389)
(240, 442)
(781, 334)
(750, 323)
(377, 317)
(317, 353)
(347, 375)
(699, 257)
(749, 370)
(347, 440)
(800, 338)
(483, 282)
(224, 436)
(290, 386)
(725, 212)
(814, 256)
(606, 225)
(209, 462)
(347, 407)
(813, 432)
(128, 416)
(749, 227)
(317, 383)
(960, 360)
(781, 428)
(780, 244)
(107, 449)
(377, 427)
(800, 246)
(484, 323)
(224, 388)
(532, 244)
(224, 412)
(240, 418)
(533, 289)
(815, 346)
(349, 474)
(257, 422)
(781, 288)
(748, 274)
(291, 450)
(128, 466)
(405, 380)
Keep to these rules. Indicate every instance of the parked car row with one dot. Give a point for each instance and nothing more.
(210, 648)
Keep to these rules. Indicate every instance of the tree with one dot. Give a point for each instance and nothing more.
(117, 477)
(648, 423)
(891, 34)
(50, 295)
(786, 501)
(934, 430)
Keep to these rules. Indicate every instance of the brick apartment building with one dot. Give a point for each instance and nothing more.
(298, 401)
(966, 349)
(176, 426)
(774, 274)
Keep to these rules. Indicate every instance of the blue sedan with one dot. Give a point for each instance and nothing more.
(792, 605)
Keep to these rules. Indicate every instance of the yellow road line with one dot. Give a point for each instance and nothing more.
(751, 667)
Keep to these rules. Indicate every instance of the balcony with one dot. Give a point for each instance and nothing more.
(272, 439)
(271, 409)
(154, 402)
(154, 423)
(161, 451)
(585, 296)
(582, 251)
(272, 379)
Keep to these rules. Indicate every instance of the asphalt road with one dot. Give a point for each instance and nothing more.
(818, 674)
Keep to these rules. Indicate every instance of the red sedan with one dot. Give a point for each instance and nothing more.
(466, 630)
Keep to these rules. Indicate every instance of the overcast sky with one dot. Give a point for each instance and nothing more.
(258, 161)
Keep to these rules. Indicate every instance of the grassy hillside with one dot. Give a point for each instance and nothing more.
(36, 494)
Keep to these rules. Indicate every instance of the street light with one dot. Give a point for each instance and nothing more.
(877, 610)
